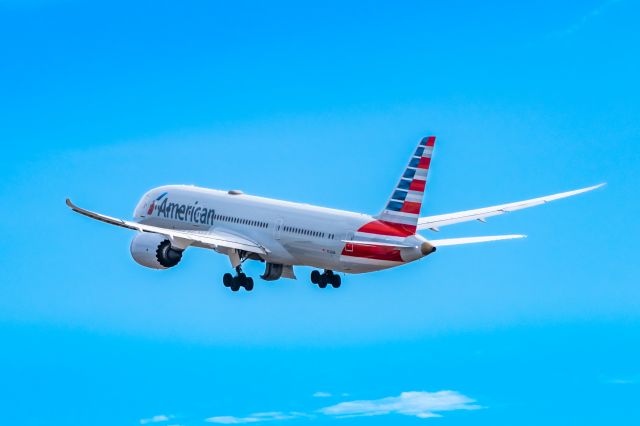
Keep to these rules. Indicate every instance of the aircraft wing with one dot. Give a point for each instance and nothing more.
(434, 222)
(210, 239)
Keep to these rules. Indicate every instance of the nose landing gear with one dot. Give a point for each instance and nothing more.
(240, 280)
(328, 277)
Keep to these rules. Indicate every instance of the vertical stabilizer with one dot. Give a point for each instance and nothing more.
(405, 202)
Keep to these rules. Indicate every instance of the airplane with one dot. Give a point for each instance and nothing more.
(283, 235)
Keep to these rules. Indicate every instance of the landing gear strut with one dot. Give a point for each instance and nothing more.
(328, 277)
(240, 280)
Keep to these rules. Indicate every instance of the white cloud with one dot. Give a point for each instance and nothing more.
(155, 419)
(254, 418)
(418, 404)
(322, 395)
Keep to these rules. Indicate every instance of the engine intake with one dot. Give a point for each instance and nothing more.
(154, 251)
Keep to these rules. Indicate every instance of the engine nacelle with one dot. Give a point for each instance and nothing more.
(272, 272)
(154, 251)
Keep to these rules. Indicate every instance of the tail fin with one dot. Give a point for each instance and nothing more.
(405, 202)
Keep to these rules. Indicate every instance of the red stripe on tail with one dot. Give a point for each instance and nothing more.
(425, 162)
(381, 227)
(410, 207)
(418, 185)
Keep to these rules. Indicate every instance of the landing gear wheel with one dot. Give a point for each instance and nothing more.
(248, 284)
(240, 280)
(336, 281)
(315, 277)
(322, 283)
(227, 280)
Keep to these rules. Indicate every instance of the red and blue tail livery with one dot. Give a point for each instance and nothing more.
(400, 216)
(406, 200)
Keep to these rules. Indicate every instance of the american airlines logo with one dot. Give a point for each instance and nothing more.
(184, 212)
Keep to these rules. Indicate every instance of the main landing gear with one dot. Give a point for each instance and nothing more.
(328, 277)
(240, 280)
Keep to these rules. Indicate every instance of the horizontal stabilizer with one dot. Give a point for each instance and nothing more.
(472, 240)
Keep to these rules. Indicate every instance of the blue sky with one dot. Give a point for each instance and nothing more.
(321, 103)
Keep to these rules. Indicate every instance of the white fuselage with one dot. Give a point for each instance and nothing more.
(294, 233)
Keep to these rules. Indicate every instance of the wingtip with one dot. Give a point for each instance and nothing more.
(587, 189)
(69, 203)
(591, 188)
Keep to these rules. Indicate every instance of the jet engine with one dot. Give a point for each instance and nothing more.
(154, 251)
(272, 272)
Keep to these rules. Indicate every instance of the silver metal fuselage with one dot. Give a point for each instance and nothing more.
(292, 233)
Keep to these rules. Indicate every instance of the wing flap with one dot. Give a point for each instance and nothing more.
(211, 239)
(437, 221)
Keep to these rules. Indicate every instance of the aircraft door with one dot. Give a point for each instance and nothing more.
(349, 246)
(277, 232)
